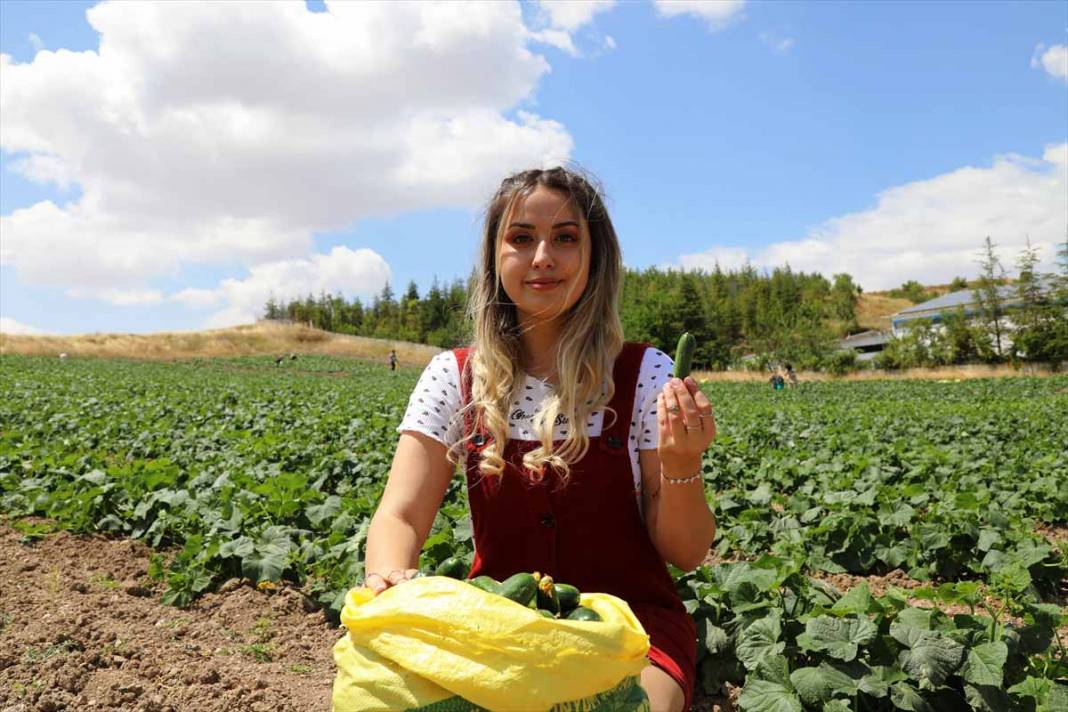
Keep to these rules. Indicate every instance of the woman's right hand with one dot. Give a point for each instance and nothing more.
(380, 582)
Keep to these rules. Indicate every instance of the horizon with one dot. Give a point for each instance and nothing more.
(166, 166)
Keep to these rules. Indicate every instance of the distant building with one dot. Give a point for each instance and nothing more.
(934, 309)
(867, 345)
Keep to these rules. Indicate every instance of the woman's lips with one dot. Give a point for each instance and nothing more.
(543, 286)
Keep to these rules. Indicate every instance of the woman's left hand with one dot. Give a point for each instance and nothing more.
(687, 426)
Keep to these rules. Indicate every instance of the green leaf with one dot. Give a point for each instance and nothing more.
(764, 696)
(932, 659)
(715, 639)
(985, 664)
(1058, 699)
(759, 639)
(838, 637)
(906, 697)
(877, 683)
(857, 600)
(1035, 687)
(811, 685)
(319, 513)
(986, 698)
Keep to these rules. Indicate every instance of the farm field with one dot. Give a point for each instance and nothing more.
(882, 545)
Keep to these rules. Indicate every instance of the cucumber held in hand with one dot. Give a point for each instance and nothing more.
(684, 355)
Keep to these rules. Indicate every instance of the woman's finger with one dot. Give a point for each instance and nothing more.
(376, 582)
(662, 420)
(691, 419)
(676, 423)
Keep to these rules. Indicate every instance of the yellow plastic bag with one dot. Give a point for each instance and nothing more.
(436, 638)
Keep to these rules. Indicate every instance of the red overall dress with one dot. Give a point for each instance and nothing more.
(587, 532)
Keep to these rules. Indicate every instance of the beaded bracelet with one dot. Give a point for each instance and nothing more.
(680, 480)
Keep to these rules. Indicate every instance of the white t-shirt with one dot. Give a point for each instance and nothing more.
(435, 402)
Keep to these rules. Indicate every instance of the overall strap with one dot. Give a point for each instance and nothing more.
(625, 378)
(481, 438)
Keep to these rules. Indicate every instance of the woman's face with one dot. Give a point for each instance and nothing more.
(544, 257)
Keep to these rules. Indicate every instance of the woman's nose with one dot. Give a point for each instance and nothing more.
(543, 254)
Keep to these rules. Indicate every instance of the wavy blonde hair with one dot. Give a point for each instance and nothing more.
(590, 341)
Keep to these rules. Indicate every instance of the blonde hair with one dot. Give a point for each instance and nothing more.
(590, 340)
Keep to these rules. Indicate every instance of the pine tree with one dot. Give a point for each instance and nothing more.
(989, 298)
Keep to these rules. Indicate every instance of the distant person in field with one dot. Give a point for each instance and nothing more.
(392, 360)
(582, 454)
(791, 377)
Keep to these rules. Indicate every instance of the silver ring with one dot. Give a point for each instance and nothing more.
(695, 427)
(673, 408)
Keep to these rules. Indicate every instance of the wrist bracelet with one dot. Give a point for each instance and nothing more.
(680, 480)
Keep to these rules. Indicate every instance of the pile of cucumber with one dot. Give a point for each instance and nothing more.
(533, 590)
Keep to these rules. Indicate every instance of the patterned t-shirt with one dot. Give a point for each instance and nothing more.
(433, 408)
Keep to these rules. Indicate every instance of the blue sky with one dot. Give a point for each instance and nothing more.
(177, 165)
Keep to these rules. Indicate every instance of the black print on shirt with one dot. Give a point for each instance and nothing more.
(520, 414)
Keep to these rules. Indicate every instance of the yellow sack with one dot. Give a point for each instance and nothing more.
(437, 638)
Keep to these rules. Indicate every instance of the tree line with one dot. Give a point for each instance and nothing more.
(735, 315)
(746, 318)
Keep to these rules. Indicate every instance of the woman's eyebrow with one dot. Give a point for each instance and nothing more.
(529, 226)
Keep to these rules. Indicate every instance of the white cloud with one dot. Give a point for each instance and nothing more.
(215, 133)
(717, 13)
(10, 326)
(1054, 60)
(930, 230)
(570, 15)
(776, 41)
(354, 273)
(609, 42)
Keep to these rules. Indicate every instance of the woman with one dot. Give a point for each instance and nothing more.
(582, 455)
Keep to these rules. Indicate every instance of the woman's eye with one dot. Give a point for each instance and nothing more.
(520, 238)
(568, 237)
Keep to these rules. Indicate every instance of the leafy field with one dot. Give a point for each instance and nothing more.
(240, 467)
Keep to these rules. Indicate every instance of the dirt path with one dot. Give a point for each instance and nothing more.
(81, 628)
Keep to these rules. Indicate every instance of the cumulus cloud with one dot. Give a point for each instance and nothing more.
(929, 230)
(560, 19)
(716, 13)
(1053, 60)
(570, 15)
(222, 133)
(354, 273)
(10, 326)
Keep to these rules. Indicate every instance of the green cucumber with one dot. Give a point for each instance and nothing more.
(521, 588)
(486, 583)
(452, 567)
(546, 614)
(684, 355)
(547, 595)
(583, 614)
(568, 596)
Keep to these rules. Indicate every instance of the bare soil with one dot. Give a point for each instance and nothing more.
(82, 628)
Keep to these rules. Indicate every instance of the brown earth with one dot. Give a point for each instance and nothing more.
(82, 628)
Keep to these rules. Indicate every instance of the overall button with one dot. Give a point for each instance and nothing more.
(613, 441)
(548, 520)
(479, 439)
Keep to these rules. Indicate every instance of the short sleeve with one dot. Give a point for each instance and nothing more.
(434, 405)
(655, 371)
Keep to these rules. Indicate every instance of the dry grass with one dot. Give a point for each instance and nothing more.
(260, 338)
(946, 373)
(874, 310)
